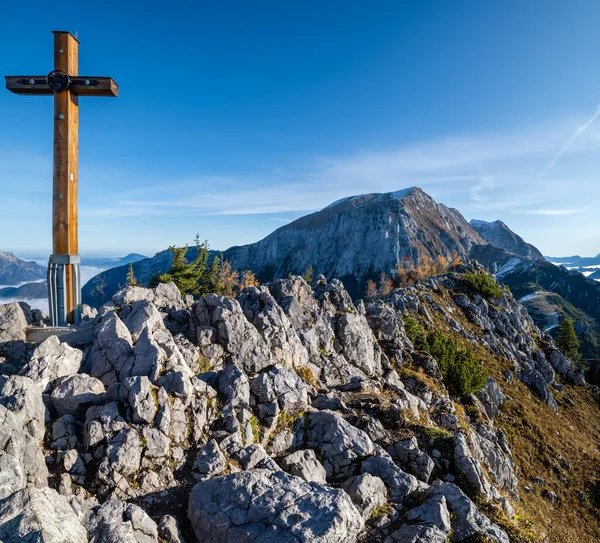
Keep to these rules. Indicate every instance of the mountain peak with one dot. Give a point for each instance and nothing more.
(359, 199)
(500, 235)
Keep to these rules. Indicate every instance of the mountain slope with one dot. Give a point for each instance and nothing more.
(14, 270)
(354, 239)
(549, 292)
(501, 236)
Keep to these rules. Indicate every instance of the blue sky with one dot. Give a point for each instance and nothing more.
(236, 117)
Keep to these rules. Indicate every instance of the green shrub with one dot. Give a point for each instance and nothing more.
(482, 283)
(461, 370)
(416, 333)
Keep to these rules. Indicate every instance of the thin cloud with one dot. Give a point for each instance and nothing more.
(557, 212)
(574, 137)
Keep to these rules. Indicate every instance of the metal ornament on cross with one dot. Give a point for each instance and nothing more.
(66, 85)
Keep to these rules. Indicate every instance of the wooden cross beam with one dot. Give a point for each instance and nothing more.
(66, 85)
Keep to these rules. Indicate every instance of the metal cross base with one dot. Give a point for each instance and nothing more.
(64, 284)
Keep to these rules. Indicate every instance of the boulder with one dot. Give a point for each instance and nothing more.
(130, 294)
(236, 334)
(412, 459)
(50, 360)
(417, 533)
(304, 464)
(209, 461)
(118, 522)
(400, 484)
(367, 493)
(24, 398)
(73, 395)
(167, 295)
(261, 505)
(433, 512)
(143, 314)
(11, 475)
(234, 386)
(340, 445)
(40, 515)
(13, 322)
(468, 521)
(168, 530)
(470, 468)
(281, 385)
(111, 357)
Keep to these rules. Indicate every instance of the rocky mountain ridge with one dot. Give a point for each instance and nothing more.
(287, 414)
(499, 235)
(13, 270)
(354, 239)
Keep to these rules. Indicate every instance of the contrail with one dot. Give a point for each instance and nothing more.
(580, 130)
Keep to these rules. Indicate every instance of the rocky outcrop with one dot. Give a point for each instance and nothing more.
(289, 413)
(260, 504)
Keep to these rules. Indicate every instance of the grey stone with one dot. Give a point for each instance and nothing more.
(417, 533)
(141, 397)
(168, 530)
(118, 522)
(111, 358)
(209, 460)
(23, 397)
(13, 322)
(282, 385)
(130, 294)
(432, 512)
(149, 357)
(11, 475)
(73, 395)
(143, 315)
(412, 459)
(400, 484)
(491, 397)
(305, 464)
(238, 336)
(233, 384)
(123, 455)
(340, 445)
(274, 506)
(50, 360)
(40, 515)
(167, 295)
(367, 493)
(468, 521)
(470, 468)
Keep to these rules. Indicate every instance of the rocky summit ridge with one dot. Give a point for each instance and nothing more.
(354, 239)
(291, 414)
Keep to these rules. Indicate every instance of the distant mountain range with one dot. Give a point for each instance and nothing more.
(103, 262)
(13, 270)
(26, 291)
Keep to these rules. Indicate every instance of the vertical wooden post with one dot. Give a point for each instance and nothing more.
(65, 175)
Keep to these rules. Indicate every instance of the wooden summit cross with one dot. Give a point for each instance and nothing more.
(66, 85)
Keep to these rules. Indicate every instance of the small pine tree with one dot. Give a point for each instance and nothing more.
(213, 275)
(567, 340)
(308, 274)
(131, 280)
